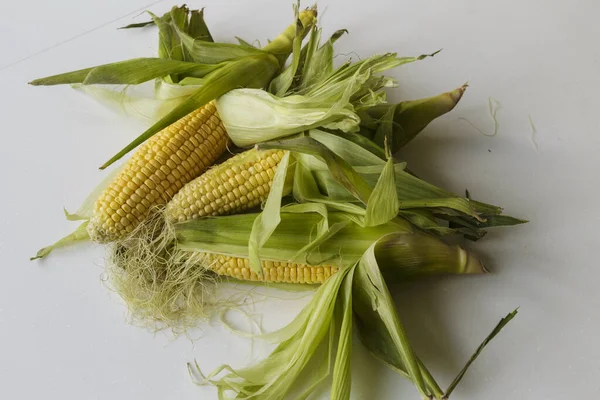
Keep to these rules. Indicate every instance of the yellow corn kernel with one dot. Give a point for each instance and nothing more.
(229, 188)
(276, 272)
(158, 170)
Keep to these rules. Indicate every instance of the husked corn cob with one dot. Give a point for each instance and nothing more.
(240, 183)
(158, 170)
(273, 271)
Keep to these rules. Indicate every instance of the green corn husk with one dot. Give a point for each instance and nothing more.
(255, 69)
(319, 340)
(168, 281)
(130, 72)
(331, 101)
(184, 56)
(78, 235)
(323, 175)
(196, 26)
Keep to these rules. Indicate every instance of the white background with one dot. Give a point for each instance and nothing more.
(64, 335)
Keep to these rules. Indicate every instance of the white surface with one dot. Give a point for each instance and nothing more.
(63, 335)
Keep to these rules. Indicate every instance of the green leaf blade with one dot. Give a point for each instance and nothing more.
(255, 71)
(197, 27)
(503, 322)
(267, 221)
(129, 72)
(383, 203)
(342, 172)
(342, 379)
(409, 118)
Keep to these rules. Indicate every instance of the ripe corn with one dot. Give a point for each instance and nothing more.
(158, 170)
(273, 271)
(240, 183)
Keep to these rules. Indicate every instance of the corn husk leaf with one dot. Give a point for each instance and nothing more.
(282, 45)
(276, 376)
(406, 119)
(266, 222)
(130, 72)
(251, 71)
(296, 231)
(341, 171)
(412, 191)
(345, 175)
(420, 254)
(451, 204)
(137, 25)
(254, 71)
(282, 83)
(322, 230)
(383, 203)
(379, 326)
(197, 28)
(366, 68)
(489, 222)
(362, 141)
(503, 322)
(358, 186)
(244, 43)
(342, 379)
(307, 54)
(78, 235)
(311, 234)
(253, 116)
(305, 190)
(136, 101)
(354, 153)
(358, 289)
(323, 176)
(426, 220)
(204, 52)
(169, 45)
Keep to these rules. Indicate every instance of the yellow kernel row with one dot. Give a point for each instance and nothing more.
(273, 271)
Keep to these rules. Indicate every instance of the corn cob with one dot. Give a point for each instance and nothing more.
(273, 271)
(158, 170)
(240, 183)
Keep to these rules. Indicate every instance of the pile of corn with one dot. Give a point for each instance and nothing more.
(314, 199)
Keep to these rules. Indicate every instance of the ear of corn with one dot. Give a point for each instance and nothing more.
(160, 167)
(273, 271)
(240, 183)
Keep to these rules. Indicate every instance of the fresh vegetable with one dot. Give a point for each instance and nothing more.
(317, 344)
(222, 67)
(167, 279)
(337, 208)
(156, 172)
(238, 184)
